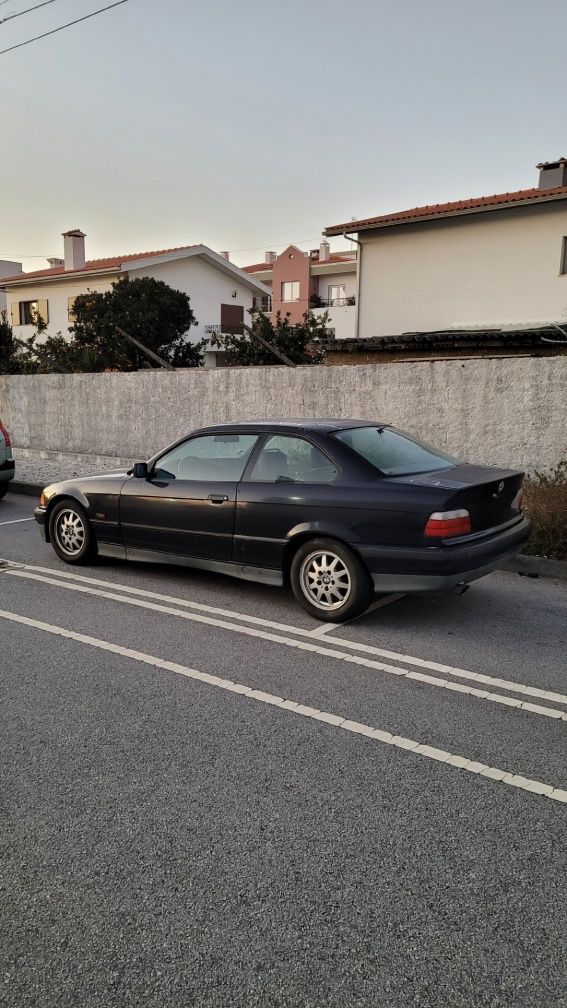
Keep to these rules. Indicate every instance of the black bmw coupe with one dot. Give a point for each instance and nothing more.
(338, 508)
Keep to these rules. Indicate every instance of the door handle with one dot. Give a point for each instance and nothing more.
(217, 498)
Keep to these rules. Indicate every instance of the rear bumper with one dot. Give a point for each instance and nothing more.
(441, 568)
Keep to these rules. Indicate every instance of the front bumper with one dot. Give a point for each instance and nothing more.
(442, 568)
(40, 517)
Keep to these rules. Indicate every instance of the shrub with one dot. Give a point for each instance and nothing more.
(545, 502)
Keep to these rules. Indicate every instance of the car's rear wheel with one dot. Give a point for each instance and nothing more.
(3, 489)
(329, 581)
(70, 532)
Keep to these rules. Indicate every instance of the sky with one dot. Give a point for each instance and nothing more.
(248, 125)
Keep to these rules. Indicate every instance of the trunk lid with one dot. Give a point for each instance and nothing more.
(490, 495)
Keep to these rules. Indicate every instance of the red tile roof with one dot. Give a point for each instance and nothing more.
(335, 257)
(93, 265)
(498, 201)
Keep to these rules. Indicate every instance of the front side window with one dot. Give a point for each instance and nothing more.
(290, 290)
(210, 458)
(290, 459)
(394, 453)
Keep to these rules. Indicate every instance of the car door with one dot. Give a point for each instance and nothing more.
(186, 507)
(288, 484)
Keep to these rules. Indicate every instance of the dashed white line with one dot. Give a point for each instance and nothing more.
(16, 521)
(302, 710)
(301, 645)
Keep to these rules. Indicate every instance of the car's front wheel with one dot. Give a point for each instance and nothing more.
(329, 581)
(70, 532)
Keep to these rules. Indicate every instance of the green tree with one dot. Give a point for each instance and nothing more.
(303, 342)
(149, 310)
(7, 345)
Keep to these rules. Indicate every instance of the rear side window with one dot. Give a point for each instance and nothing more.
(394, 453)
(292, 460)
(209, 458)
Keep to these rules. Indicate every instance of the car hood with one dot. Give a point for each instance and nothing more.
(104, 482)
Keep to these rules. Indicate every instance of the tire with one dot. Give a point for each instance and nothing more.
(346, 594)
(4, 488)
(70, 532)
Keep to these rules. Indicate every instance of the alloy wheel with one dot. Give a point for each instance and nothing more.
(70, 532)
(325, 580)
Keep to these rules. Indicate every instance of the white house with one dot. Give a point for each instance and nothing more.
(491, 262)
(221, 294)
(7, 268)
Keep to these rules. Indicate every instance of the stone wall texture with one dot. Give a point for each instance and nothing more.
(506, 411)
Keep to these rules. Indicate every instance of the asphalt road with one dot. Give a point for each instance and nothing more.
(172, 839)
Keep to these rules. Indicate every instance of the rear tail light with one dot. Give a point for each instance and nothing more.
(7, 437)
(442, 524)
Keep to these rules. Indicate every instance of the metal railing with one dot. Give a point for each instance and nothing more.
(262, 304)
(317, 302)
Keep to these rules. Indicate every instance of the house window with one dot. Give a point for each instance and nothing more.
(563, 264)
(337, 294)
(29, 312)
(71, 309)
(290, 290)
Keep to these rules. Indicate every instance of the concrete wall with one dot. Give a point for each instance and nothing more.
(488, 269)
(508, 411)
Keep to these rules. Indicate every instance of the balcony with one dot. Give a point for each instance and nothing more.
(228, 330)
(317, 302)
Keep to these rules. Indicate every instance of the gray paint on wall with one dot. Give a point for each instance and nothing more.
(506, 411)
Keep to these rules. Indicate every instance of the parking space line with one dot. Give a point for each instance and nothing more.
(366, 649)
(302, 710)
(15, 521)
(301, 645)
(378, 604)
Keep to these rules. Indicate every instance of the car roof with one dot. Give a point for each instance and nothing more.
(321, 426)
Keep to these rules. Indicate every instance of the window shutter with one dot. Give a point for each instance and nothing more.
(43, 310)
(15, 312)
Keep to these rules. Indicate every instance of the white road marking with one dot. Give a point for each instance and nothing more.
(448, 670)
(378, 604)
(16, 521)
(292, 707)
(299, 644)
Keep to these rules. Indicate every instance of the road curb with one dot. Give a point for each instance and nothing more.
(30, 489)
(536, 566)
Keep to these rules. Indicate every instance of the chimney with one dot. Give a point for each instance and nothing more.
(225, 255)
(270, 257)
(53, 262)
(74, 249)
(552, 174)
(324, 251)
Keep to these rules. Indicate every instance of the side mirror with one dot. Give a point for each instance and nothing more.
(140, 470)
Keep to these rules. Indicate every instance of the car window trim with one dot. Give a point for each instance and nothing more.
(245, 478)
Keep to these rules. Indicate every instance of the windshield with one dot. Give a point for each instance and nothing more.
(394, 453)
